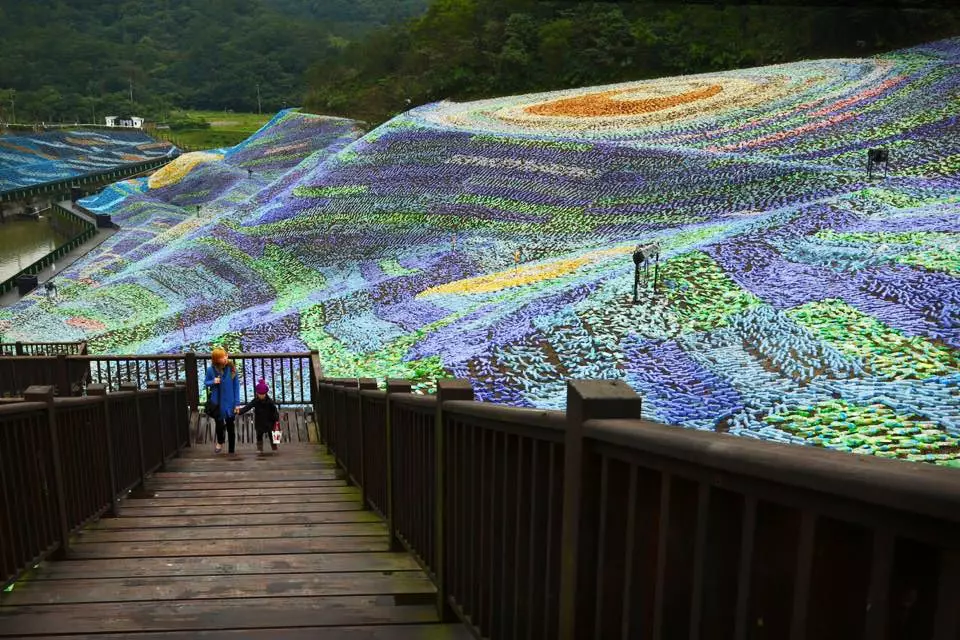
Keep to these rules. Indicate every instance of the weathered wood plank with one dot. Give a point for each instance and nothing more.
(166, 522)
(198, 615)
(257, 463)
(109, 590)
(225, 477)
(267, 502)
(338, 487)
(393, 632)
(274, 486)
(239, 532)
(226, 565)
(240, 509)
(253, 546)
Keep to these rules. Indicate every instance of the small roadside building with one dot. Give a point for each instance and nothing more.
(128, 122)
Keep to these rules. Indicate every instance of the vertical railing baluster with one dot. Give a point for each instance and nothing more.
(155, 385)
(663, 539)
(601, 548)
(45, 395)
(748, 532)
(628, 561)
(132, 388)
(878, 598)
(365, 384)
(99, 390)
(946, 625)
(801, 584)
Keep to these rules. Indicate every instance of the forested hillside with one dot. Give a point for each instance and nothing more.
(468, 49)
(76, 60)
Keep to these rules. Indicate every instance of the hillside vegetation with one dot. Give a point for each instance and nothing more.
(71, 61)
(470, 49)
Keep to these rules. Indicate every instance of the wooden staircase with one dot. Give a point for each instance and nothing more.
(277, 546)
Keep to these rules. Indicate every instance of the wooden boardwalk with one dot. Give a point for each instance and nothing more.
(271, 547)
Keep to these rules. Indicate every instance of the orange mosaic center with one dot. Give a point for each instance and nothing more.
(606, 104)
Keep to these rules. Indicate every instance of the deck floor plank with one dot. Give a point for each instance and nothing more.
(394, 632)
(223, 548)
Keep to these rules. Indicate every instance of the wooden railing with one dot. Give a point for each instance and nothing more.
(94, 178)
(290, 375)
(596, 524)
(67, 461)
(42, 348)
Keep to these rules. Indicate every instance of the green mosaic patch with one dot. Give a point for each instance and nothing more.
(885, 352)
(872, 430)
(701, 293)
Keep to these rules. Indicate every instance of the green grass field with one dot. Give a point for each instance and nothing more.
(226, 129)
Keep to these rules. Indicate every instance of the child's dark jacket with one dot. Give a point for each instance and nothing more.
(266, 413)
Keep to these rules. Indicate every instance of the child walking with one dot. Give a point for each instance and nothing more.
(266, 415)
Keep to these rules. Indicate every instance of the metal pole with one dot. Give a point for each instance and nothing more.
(656, 273)
(259, 111)
(636, 282)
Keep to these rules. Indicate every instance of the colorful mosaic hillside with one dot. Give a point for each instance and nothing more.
(39, 158)
(799, 300)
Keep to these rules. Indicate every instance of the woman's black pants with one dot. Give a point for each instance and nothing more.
(227, 425)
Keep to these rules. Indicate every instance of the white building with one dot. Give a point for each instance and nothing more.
(130, 122)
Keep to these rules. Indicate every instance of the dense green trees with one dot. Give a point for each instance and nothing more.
(73, 60)
(79, 59)
(465, 49)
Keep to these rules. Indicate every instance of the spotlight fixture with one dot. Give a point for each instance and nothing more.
(875, 157)
(642, 255)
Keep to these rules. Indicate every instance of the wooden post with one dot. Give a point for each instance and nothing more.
(316, 371)
(44, 394)
(177, 414)
(132, 387)
(155, 385)
(64, 388)
(446, 390)
(19, 348)
(187, 412)
(371, 385)
(393, 386)
(193, 382)
(586, 400)
(99, 390)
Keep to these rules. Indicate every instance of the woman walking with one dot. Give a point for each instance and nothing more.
(223, 391)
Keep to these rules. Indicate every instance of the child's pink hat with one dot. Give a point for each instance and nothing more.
(261, 387)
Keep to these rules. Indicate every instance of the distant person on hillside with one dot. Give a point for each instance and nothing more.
(266, 415)
(223, 392)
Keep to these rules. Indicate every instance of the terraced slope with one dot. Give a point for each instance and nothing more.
(52, 156)
(799, 300)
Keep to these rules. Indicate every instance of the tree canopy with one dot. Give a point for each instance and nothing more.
(468, 49)
(75, 60)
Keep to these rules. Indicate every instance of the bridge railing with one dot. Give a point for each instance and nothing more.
(67, 461)
(85, 231)
(68, 366)
(596, 524)
(42, 348)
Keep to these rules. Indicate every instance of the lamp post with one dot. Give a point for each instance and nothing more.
(642, 254)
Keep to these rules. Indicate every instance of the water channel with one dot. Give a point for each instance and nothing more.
(24, 241)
